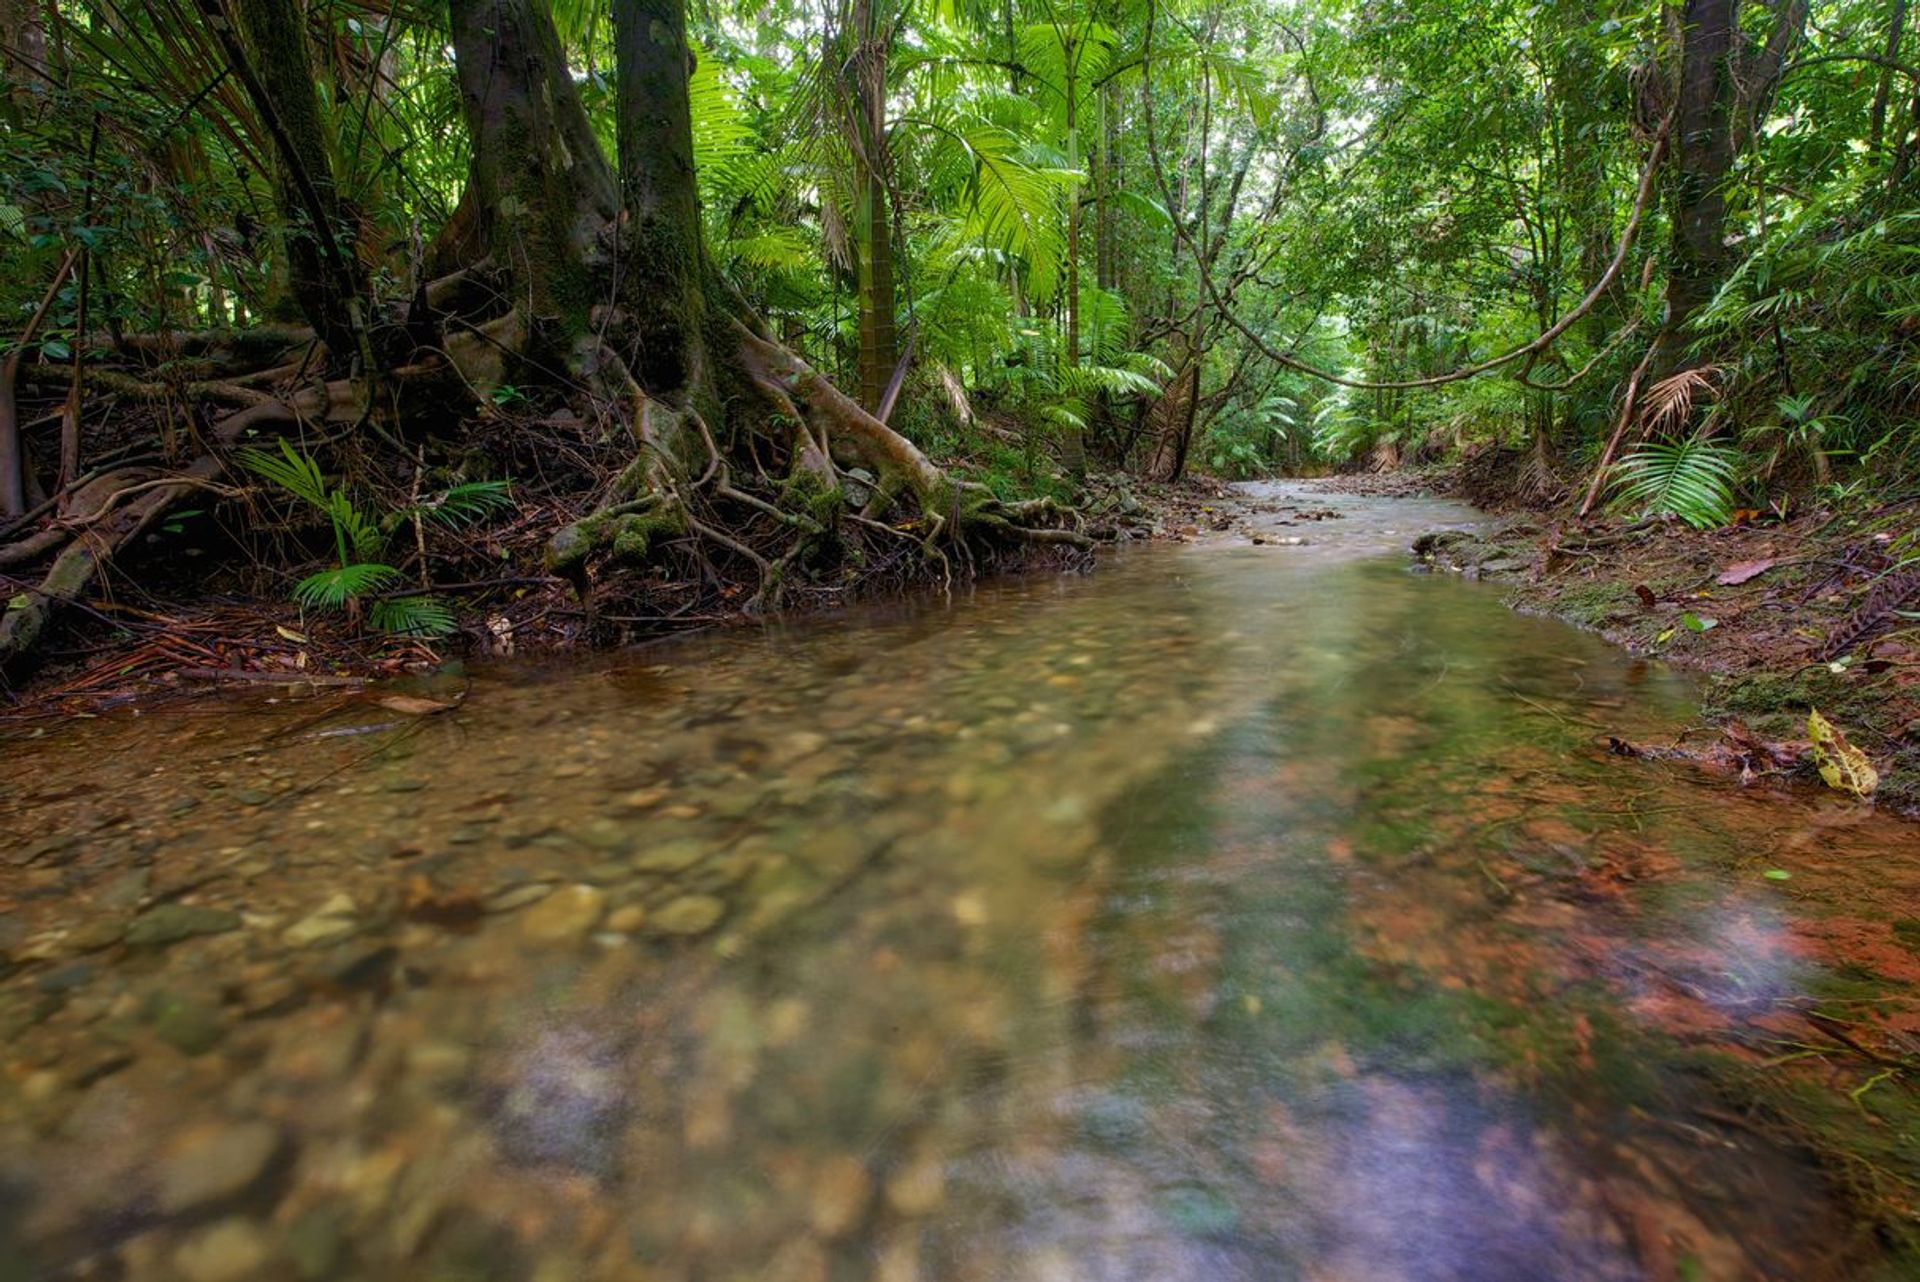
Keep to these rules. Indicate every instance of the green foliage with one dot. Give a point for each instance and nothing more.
(1691, 479)
(360, 541)
(1385, 191)
(335, 589)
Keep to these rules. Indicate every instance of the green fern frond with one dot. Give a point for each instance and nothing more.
(1691, 479)
(332, 589)
(1086, 380)
(466, 502)
(413, 616)
(296, 473)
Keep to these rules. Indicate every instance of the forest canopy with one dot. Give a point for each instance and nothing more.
(777, 295)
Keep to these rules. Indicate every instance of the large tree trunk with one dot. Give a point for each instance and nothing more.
(663, 260)
(879, 340)
(1726, 85)
(275, 66)
(1703, 155)
(23, 56)
(541, 195)
(698, 369)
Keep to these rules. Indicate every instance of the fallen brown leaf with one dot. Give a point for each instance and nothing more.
(1740, 571)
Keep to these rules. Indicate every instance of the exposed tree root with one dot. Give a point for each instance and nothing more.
(849, 478)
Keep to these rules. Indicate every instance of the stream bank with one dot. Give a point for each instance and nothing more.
(1779, 616)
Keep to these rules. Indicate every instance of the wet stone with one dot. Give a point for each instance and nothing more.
(126, 890)
(606, 836)
(315, 1242)
(57, 849)
(69, 978)
(918, 1187)
(167, 924)
(19, 1012)
(95, 1062)
(333, 922)
(214, 1164)
(690, 915)
(671, 856)
(841, 1191)
(628, 919)
(13, 934)
(234, 1250)
(566, 916)
(509, 898)
(360, 965)
(190, 1024)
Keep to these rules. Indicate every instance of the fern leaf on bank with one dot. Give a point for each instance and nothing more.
(413, 616)
(1690, 479)
(332, 589)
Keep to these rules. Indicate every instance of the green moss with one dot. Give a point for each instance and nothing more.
(1760, 693)
(809, 494)
(630, 535)
(634, 533)
(1597, 605)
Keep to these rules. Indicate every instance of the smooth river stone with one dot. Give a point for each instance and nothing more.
(565, 916)
(919, 1187)
(170, 923)
(213, 1163)
(234, 1250)
(671, 856)
(841, 1191)
(690, 915)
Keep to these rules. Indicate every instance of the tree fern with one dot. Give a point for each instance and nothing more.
(1691, 479)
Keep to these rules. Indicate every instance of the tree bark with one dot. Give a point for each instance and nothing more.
(274, 65)
(1883, 92)
(542, 195)
(1703, 155)
(1725, 88)
(879, 339)
(663, 257)
(23, 55)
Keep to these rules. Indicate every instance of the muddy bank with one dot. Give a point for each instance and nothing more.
(1781, 617)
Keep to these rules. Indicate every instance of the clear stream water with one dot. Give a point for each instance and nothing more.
(1237, 912)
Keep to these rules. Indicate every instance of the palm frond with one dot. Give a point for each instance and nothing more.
(1670, 401)
(354, 530)
(466, 502)
(332, 589)
(413, 616)
(1691, 479)
(296, 473)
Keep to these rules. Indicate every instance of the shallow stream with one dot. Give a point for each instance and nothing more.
(1237, 912)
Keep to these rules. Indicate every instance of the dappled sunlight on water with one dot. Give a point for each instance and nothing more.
(1238, 912)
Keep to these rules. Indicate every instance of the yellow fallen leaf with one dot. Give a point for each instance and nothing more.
(290, 635)
(1844, 767)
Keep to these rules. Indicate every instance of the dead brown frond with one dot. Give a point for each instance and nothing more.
(1669, 402)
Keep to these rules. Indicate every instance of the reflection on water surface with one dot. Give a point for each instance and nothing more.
(1236, 913)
